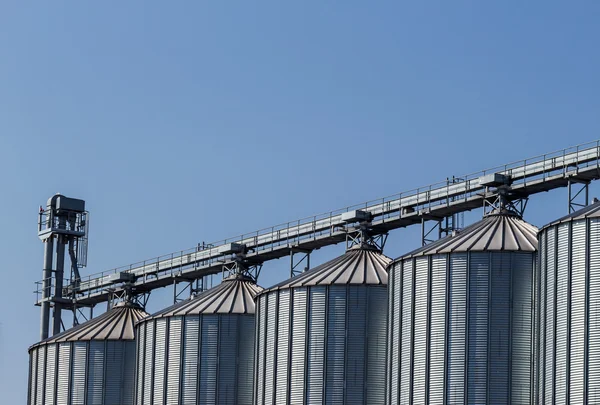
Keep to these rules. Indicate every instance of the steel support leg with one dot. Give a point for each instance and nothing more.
(46, 286)
(295, 266)
(578, 197)
(58, 283)
(425, 238)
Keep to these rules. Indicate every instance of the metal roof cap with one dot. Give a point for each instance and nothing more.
(115, 324)
(591, 211)
(502, 230)
(235, 295)
(359, 265)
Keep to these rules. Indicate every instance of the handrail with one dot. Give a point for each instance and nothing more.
(420, 200)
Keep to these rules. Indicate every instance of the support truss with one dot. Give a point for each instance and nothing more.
(299, 261)
(242, 266)
(505, 199)
(365, 236)
(128, 293)
(185, 288)
(579, 194)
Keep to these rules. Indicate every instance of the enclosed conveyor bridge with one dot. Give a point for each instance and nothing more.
(577, 165)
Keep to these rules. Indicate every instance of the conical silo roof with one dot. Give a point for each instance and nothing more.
(591, 211)
(499, 231)
(115, 324)
(235, 295)
(359, 265)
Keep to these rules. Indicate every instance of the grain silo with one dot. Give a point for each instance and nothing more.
(567, 367)
(460, 316)
(90, 364)
(200, 351)
(321, 336)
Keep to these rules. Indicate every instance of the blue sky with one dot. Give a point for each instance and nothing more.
(195, 121)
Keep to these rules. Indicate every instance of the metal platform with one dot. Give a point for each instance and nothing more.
(518, 180)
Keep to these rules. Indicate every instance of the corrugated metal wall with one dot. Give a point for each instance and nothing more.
(321, 345)
(567, 365)
(460, 329)
(82, 373)
(196, 359)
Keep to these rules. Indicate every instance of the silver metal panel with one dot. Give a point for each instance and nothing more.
(457, 329)
(95, 380)
(142, 347)
(174, 360)
(578, 302)
(420, 322)
(550, 377)
(149, 363)
(261, 352)
(407, 335)
(521, 330)
(33, 384)
(376, 344)
(283, 346)
(50, 395)
(356, 344)
(594, 313)
(331, 349)
(541, 333)
(438, 329)
(395, 322)
(41, 368)
(245, 339)
(128, 373)
(269, 370)
(115, 373)
(316, 345)
(336, 342)
(562, 311)
(227, 337)
(158, 381)
(298, 350)
(478, 328)
(63, 377)
(499, 329)
(79, 373)
(190, 361)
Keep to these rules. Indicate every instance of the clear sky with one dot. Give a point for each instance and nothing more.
(181, 122)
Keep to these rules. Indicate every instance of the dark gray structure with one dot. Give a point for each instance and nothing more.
(200, 351)
(567, 315)
(91, 364)
(321, 336)
(460, 316)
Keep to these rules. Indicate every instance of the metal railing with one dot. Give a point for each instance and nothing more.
(391, 209)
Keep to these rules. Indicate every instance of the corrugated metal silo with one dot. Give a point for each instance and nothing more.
(90, 364)
(321, 336)
(200, 351)
(460, 317)
(567, 316)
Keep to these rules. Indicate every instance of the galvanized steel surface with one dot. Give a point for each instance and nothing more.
(200, 351)
(460, 323)
(87, 365)
(567, 314)
(319, 343)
